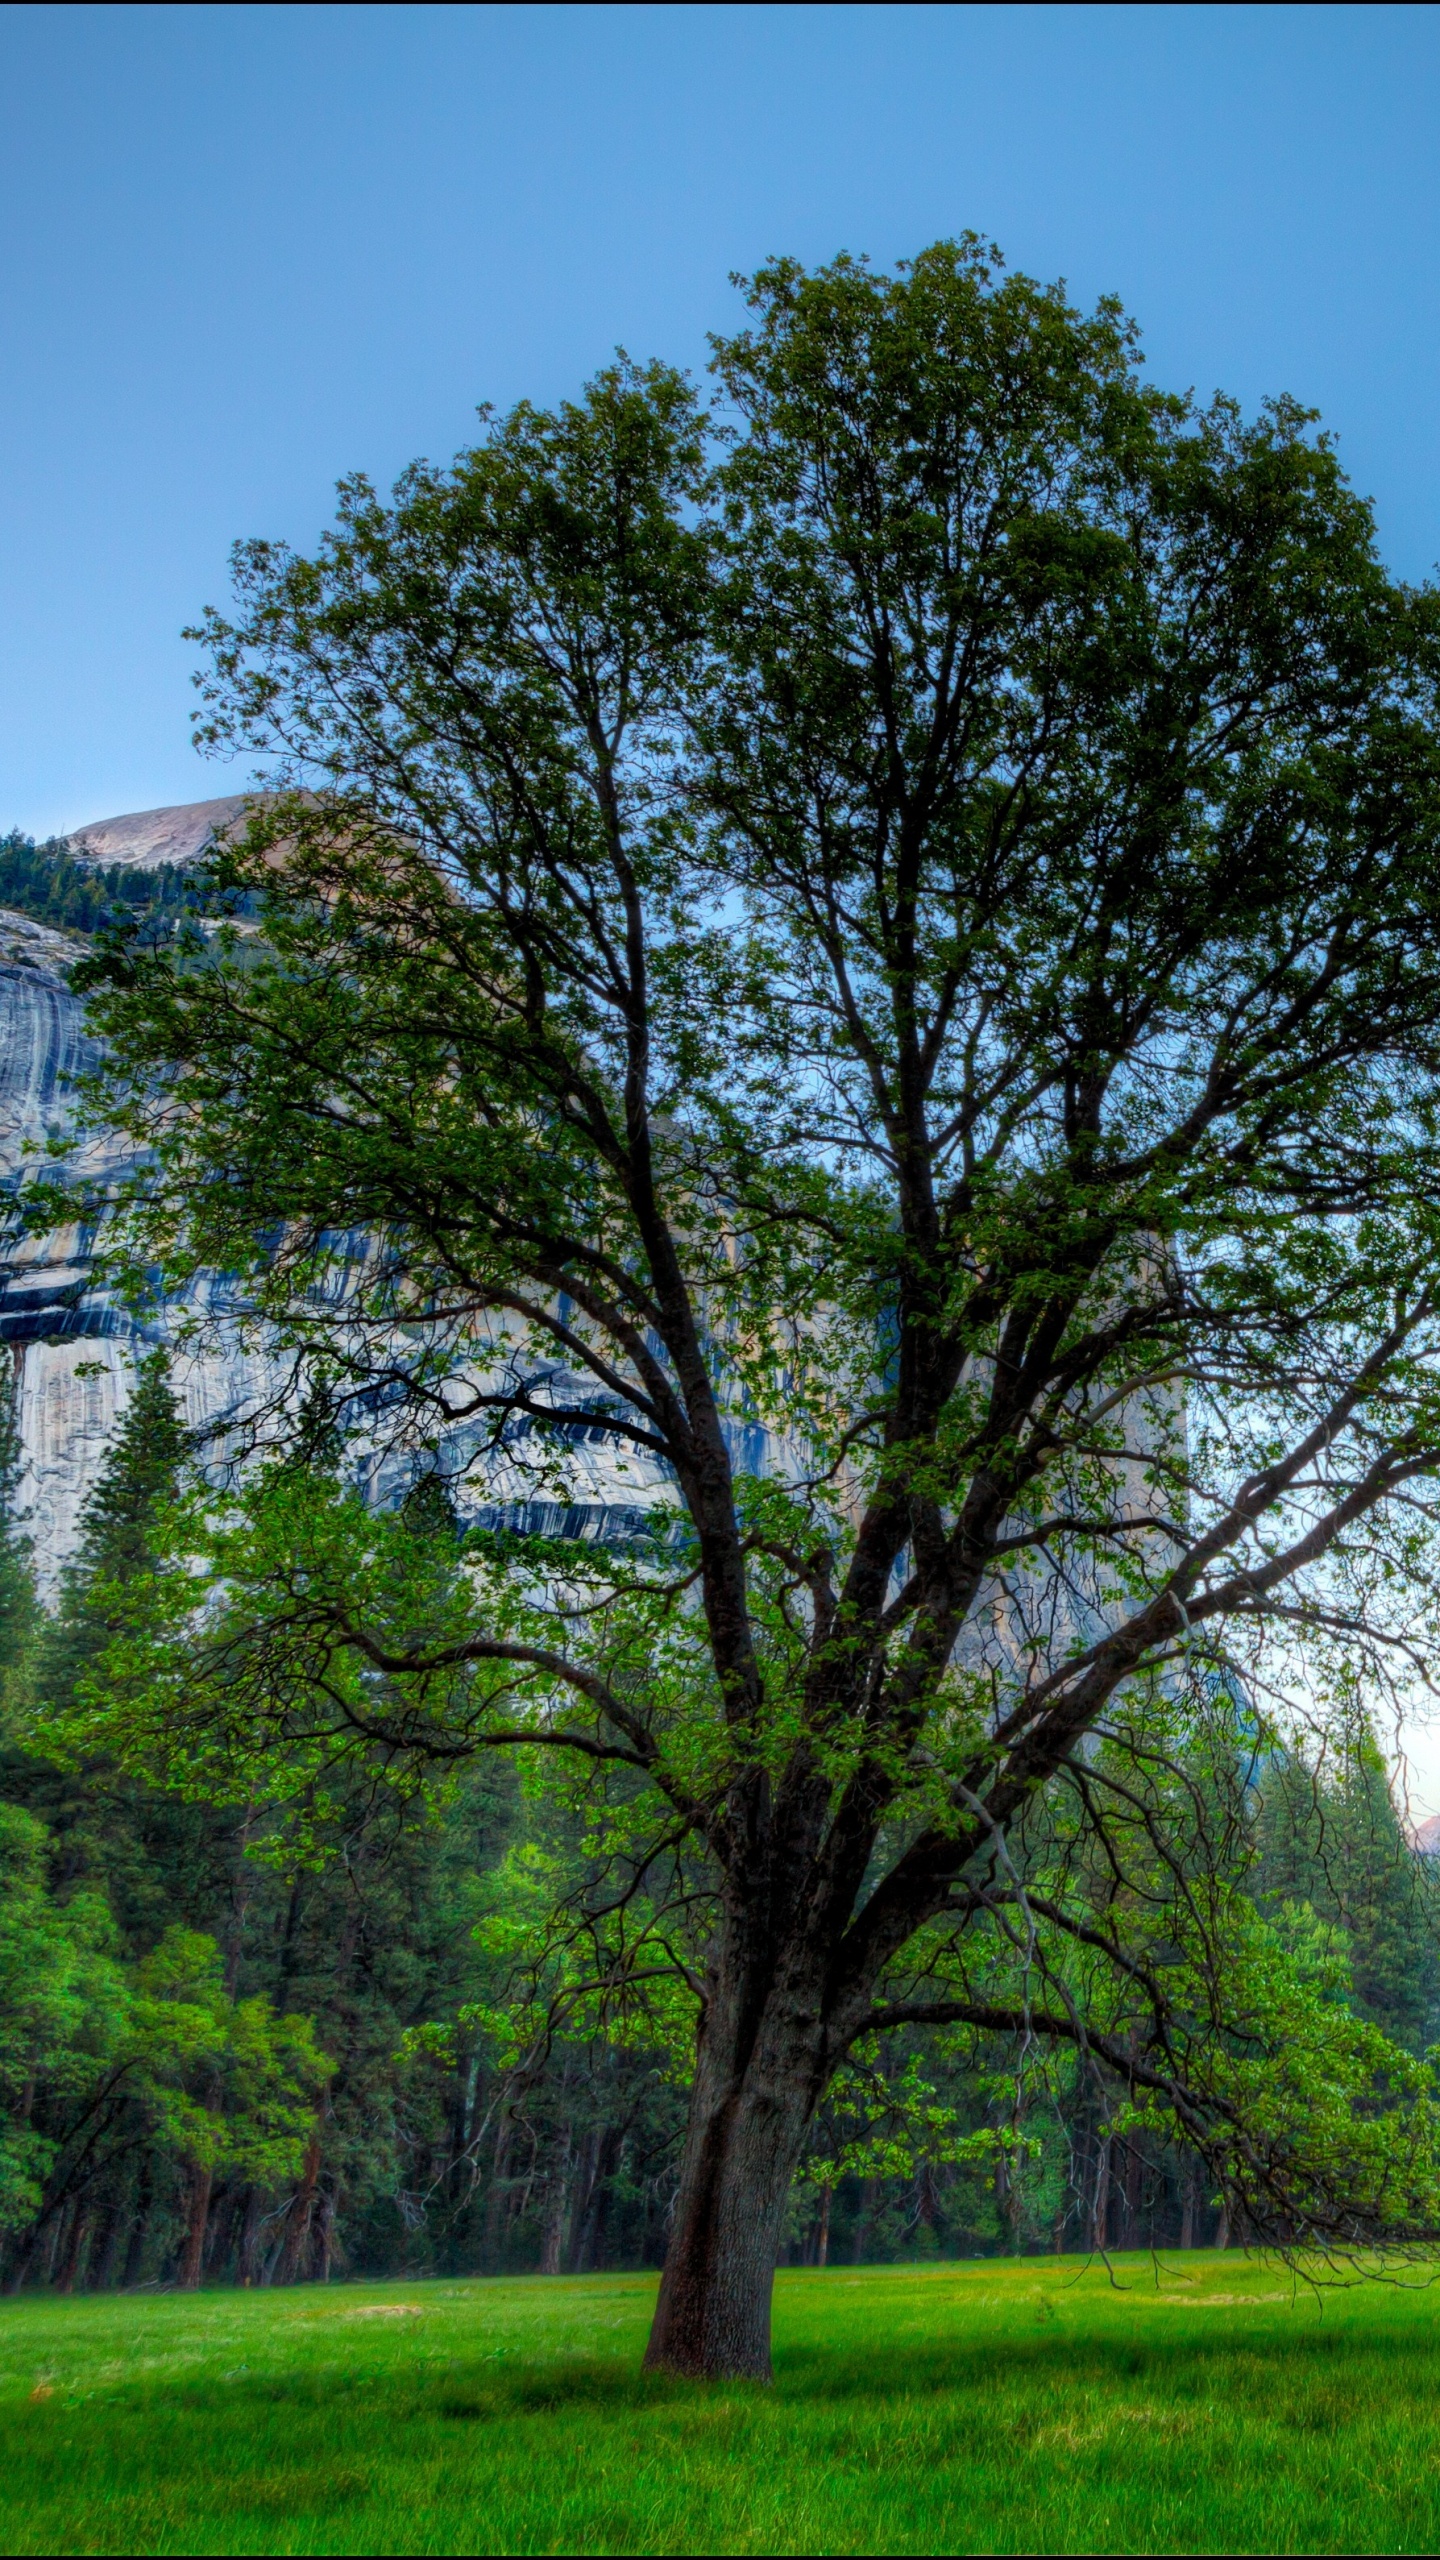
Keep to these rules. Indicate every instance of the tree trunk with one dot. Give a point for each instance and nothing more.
(200, 2186)
(100, 2276)
(755, 2090)
(863, 2220)
(323, 2233)
(1100, 2216)
(499, 2197)
(1134, 2189)
(822, 2236)
(297, 2221)
(25, 2257)
(580, 2202)
(81, 2226)
(140, 2226)
(587, 2229)
(249, 2238)
(1187, 2205)
(63, 2221)
(556, 2204)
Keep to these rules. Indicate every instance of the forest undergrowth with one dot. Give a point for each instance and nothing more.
(1208, 2402)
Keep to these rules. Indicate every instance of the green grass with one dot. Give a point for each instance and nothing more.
(1015, 2406)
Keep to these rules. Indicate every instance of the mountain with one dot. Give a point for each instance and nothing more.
(148, 837)
(76, 1347)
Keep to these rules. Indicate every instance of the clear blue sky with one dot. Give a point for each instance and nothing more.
(246, 249)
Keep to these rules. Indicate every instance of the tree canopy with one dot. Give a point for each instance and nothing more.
(872, 942)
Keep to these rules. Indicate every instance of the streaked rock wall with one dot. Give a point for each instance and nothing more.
(76, 1347)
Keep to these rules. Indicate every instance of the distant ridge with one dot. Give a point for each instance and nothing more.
(148, 837)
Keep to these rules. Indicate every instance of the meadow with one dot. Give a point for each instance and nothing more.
(1196, 2403)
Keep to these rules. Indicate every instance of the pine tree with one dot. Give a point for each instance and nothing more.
(1337, 1843)
(160, 1860)
(1386, 1905)
(141, 1472)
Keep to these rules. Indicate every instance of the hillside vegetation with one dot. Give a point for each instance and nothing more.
(47, 881)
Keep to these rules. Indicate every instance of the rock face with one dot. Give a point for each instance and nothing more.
(148, 837)
(76, 1348)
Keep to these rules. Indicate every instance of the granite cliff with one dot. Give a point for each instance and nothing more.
(75, 1347)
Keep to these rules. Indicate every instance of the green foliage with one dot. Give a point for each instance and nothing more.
(140, 1473)
(121, 2042)
(152, 1859)
(560, 2027)
(229, 2085)
(893, 920)
(97, 2055)
(48, 882)
(62, 2008)
(1329, 1838)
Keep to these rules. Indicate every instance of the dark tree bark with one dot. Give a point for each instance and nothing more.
(297, 2220)
(109, 2236)
(863, 2221)
(497, 2203)
(757, 2083)
(248, 2261)
(557, 2206)
(77, 2242)
(323, 2235)
(140, 2224)
(197, 2221)
(1100, 2207)
(592, 2201)
(1133, 2192)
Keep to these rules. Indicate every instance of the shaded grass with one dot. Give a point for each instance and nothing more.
(1004, 2406)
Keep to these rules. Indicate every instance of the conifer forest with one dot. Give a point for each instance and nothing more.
(218, 2068)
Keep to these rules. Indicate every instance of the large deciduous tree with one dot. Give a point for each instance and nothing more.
(900, 908)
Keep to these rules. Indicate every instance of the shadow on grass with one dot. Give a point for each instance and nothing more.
(1302, 2347)
(1283, 2364)
(1277, 2360)
(594, 2388)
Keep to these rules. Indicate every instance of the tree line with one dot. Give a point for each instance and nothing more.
(49, 882)
(221, 2066)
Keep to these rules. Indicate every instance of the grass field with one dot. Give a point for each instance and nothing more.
(1204, 2405)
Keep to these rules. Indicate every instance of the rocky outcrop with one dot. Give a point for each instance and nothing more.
(148, 837)
(75, 1345)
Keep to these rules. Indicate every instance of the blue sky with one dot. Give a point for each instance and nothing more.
(247, 249)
